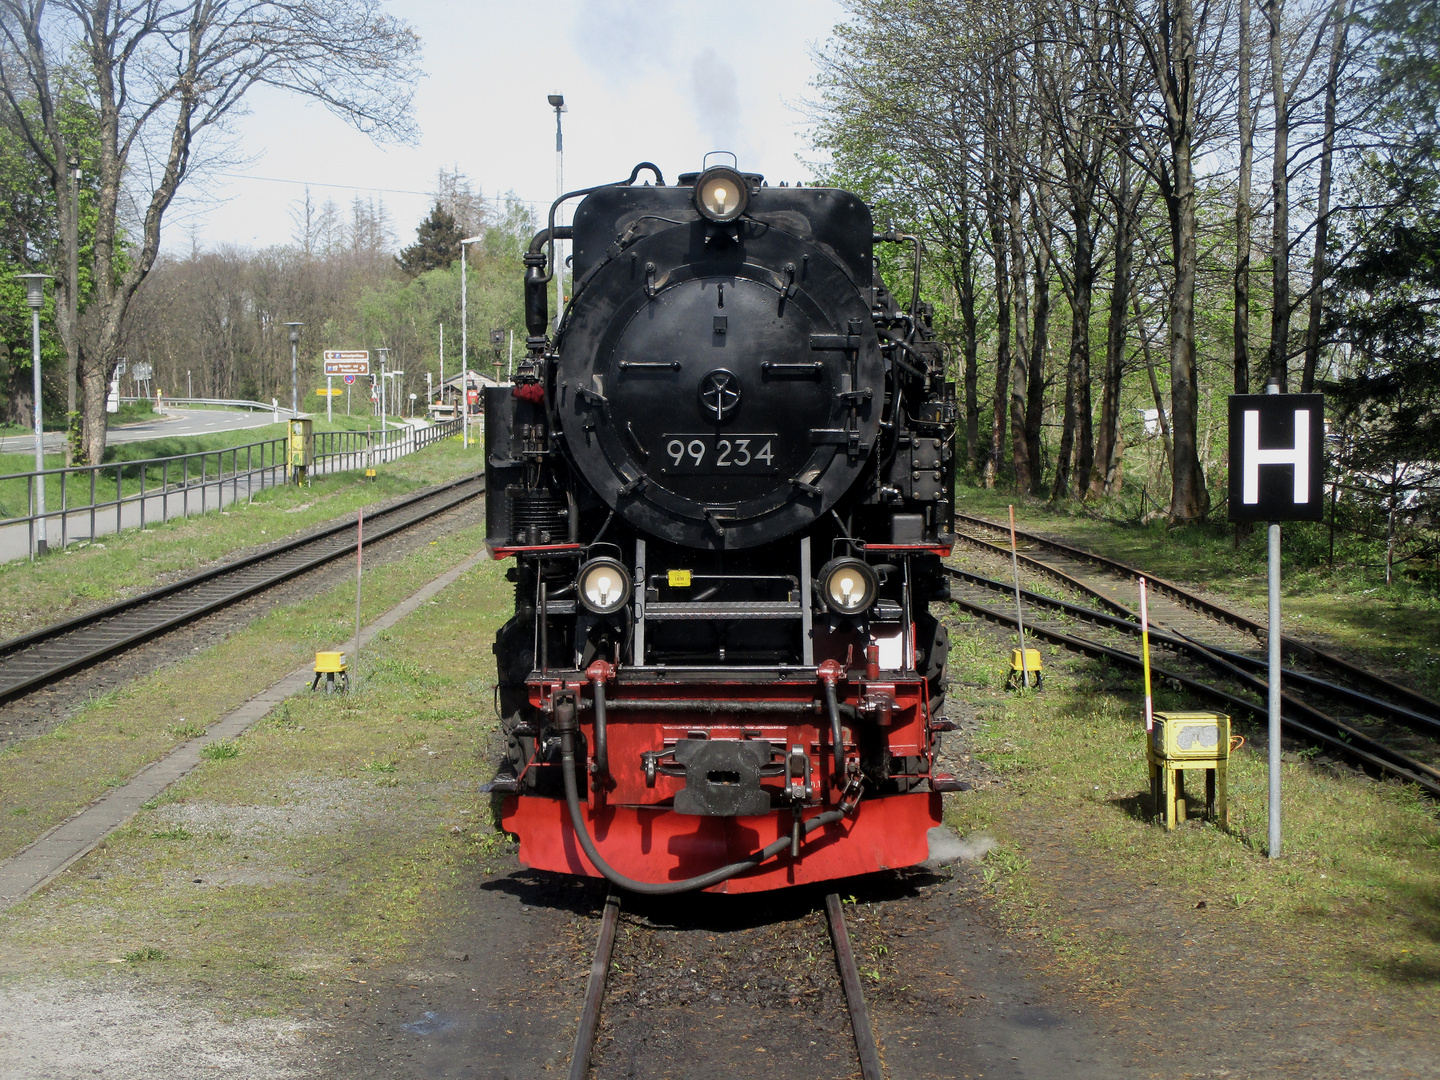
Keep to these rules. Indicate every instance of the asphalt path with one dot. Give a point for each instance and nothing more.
(175, 422)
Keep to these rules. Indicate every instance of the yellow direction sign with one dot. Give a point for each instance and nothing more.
(322, 392)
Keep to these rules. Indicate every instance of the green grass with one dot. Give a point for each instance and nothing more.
(343, 833)
(223, 750)
(132, 412)
(80, 578)
(53, 775)
(1361, 866)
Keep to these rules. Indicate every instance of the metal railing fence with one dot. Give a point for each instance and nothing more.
(172, 485)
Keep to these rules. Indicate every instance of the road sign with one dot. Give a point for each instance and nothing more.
(1277, 457)
(141, 371)
(349, 379)
(322, 392)
(347, 362)
(472, 396)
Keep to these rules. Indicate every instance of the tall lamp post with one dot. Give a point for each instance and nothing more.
(557, 102)
(72, 290)
(35, 297)
(464, 346)
(294, 368)
(384, 358)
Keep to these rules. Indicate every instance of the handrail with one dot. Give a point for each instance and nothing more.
(264, 466)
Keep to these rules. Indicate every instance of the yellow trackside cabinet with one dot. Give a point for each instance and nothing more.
(1184, 741)
(300, 450)
(331, 667)
(1025, 670)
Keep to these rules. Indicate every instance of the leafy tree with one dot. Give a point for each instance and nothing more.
(162, 74)
(1385, 313)
(437, 244)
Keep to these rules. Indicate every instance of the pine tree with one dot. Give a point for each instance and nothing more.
(437, 244)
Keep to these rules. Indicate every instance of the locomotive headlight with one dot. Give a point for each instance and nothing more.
(721, 194)
(848, 586)
(604, 586)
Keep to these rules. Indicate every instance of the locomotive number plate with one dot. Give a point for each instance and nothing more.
(749, 453)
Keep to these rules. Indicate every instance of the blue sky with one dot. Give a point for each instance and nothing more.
(665, 81)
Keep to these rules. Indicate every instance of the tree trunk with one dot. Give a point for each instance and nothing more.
(1319, 267)
(970, 330)
(1035, 380)
(994, 195)
(1109, 442)
(1166, 455)
(1242, 209)
(1280, 196)
(1019, 449)
(1189, 500)
(969, 323)
(1077, 370)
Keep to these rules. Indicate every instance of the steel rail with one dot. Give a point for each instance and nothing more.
(27, 651)
(589, 1023)
(854, 992)
(1182, 642)
(1413, 699)
(1315, 725)
(595, 990)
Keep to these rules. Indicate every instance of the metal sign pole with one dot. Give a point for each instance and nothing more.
(1277, 474)
(329, 411)
(1273, 756)
(1274, 676)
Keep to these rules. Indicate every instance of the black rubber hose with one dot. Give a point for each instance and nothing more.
(664, 888)
(837, 737)
(602, 753)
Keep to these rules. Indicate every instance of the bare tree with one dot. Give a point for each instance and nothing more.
(1176, 46)
(1245, 116)
(1319, 267)
(1283, 90)
(162, 74)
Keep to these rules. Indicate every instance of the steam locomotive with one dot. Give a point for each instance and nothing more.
(726, 482)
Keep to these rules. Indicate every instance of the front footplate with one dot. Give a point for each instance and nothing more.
(654, 843)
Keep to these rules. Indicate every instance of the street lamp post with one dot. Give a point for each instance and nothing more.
(384, 358)
(72, 290)
(35, 297)
(465, 345)
(557, 102)
(294, 368)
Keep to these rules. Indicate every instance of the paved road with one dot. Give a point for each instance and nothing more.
(176, 422)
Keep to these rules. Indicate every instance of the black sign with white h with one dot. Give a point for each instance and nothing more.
(1277, 457)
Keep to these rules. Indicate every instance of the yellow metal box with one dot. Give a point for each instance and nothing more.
(329, 661)
(1187, 736)
(1032, 660)
(300, 447)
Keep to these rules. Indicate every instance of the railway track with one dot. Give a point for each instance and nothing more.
(865, 1046)
(1356, 714)
(37, 659)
